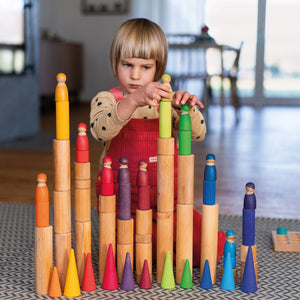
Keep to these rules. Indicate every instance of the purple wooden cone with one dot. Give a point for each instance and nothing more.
(127, 283)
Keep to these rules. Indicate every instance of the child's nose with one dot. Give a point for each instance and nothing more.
(135, 74)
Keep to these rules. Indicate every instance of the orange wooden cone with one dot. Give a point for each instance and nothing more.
(54, 288)
(88, 282)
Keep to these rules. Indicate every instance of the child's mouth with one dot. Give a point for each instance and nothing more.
(134, 86)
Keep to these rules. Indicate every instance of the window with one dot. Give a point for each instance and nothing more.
(282, 49)
(13, 46)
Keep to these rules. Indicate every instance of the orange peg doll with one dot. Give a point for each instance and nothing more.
(42, 201)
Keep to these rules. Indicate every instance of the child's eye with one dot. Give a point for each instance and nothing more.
(127, 65)
(146, 67)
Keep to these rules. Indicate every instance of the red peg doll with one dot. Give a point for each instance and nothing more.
(107, 183)
(82, 144)
(143, 186)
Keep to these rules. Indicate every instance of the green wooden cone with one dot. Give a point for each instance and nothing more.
(167, 281)
(186, 280)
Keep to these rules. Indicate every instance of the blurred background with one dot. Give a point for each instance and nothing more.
(38, 39)
(241, 58)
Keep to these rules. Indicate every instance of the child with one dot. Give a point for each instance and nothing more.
(125, 119)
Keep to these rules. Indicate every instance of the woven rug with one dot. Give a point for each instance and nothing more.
(278, 272)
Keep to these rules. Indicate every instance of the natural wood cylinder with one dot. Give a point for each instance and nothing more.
(62, 246)
(165, 182)
(165, 146)
(43, 258)
(143, 222)
(143, 241)
(244, 252)
(125, 237)
(184, 238)
(82, 205)
(164, 241)
(209, 239)
(82, 184)
(82, 245)
(125, 231)
(62, 170)
(185, 183)
(82, 171)
(62, 211)
(107, 230)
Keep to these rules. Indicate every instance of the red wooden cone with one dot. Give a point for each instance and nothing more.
(110, 280)
(88, 282)
(145, 282)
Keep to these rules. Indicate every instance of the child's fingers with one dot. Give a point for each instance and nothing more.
(194, 101)
(178, 97)
(185, 98)
(153, 103)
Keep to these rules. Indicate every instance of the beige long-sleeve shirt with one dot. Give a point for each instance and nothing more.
(105, 123)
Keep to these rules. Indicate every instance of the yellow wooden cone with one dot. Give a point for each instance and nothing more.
(72, 286)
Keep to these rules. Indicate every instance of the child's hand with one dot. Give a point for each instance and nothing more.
(151, 94)
(181, 97)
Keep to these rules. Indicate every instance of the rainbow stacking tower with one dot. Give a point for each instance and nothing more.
(43, 238)
(248, 240)
(185, 202)
(165, 184)
(143, 229)
(210, 215)
(107, 216)
(82, 215)
(62, 180)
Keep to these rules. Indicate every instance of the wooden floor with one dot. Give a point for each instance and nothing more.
(264, 147)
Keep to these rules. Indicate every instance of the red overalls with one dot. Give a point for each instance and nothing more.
(138, 140)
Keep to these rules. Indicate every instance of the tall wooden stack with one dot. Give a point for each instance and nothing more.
(62, 180)
(125, 224)
(107, 216)
(165, 183)
(248, 233)
(82, 214)
(210, 218)
(43, 238)
(143, 232)
(184, 228)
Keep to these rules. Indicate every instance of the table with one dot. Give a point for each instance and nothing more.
(188, 61)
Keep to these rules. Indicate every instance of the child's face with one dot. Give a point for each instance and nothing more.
(132, 73)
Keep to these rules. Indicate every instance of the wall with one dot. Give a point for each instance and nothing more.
(64, 18)
(19, 97)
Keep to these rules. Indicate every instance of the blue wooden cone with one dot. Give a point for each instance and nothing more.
(228, 278)
(206, 282)
(127, 283)
(248, 284)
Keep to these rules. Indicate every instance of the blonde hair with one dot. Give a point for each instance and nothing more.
(140, 38)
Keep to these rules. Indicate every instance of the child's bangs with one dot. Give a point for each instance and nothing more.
(139, 46)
